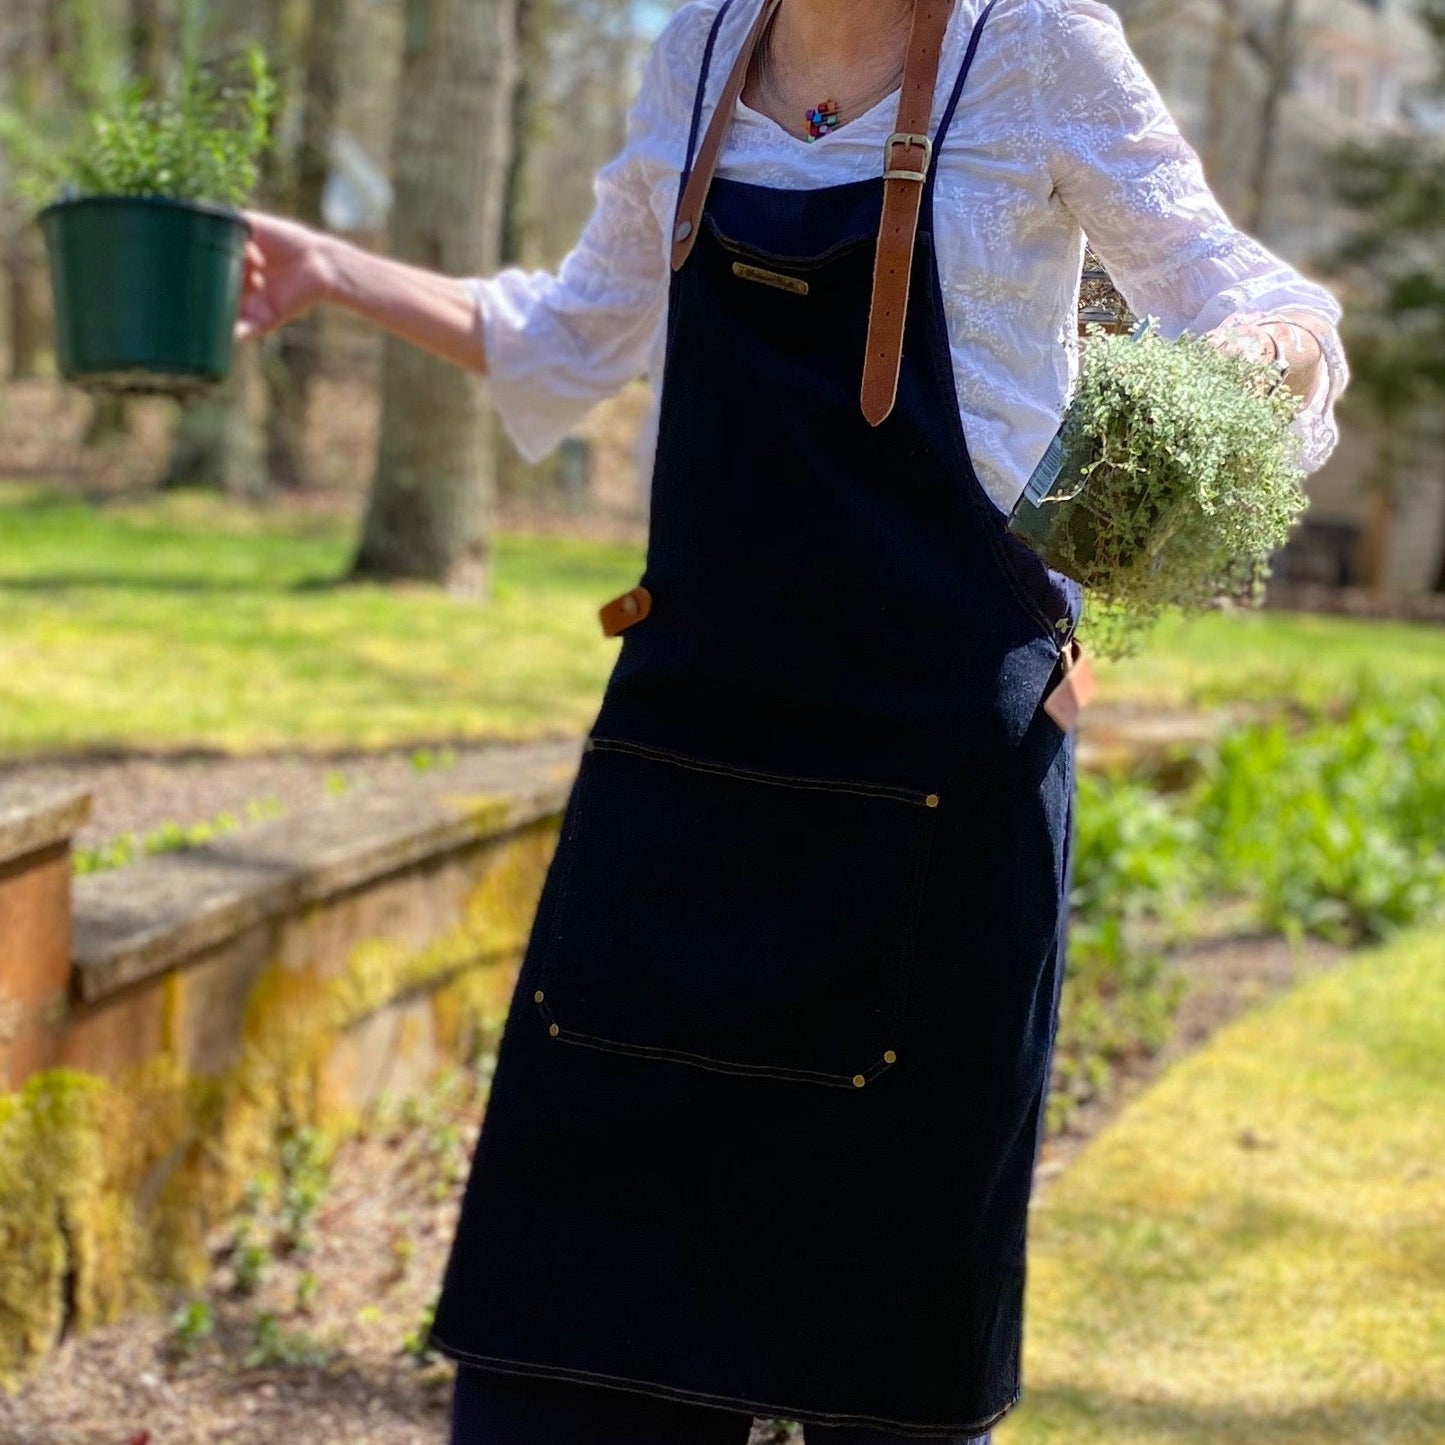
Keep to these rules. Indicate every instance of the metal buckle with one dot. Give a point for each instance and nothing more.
(903, 138)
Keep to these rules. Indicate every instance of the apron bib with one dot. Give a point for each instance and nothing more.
(768, 1101)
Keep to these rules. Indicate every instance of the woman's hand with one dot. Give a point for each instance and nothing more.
(1277, 336)
(289, 268)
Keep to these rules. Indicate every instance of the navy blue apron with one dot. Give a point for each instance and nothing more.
(769, 1097)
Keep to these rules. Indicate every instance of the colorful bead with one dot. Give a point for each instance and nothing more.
(822, 119)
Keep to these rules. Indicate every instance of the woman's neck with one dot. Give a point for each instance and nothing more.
(840, 32)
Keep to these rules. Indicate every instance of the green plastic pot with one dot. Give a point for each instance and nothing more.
(146, 290)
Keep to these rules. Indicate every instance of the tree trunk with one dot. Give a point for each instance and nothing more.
(533, 22)
(292, 357)
(217, 444)
(150, 40)
(1280, 67)
(433, 493)
(25, 278)
(1222, 97)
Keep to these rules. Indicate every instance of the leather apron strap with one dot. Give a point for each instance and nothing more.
(908, 156)
(693, 199)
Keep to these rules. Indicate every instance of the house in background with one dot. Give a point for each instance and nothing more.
(1356, 68)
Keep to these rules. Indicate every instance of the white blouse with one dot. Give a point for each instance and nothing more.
(1060, 132)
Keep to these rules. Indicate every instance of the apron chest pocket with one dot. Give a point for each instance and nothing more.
(735, 920)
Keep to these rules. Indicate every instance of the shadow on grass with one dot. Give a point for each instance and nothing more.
(1056, 1414)
(134, 582)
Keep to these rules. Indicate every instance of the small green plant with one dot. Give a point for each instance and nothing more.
(170, 837)
(1180, 478)
(304, 1181)
(275, 1346)
(415, 1342)
(201, 140)
(193, 1323)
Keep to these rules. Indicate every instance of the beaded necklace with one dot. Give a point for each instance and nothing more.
(828, 114)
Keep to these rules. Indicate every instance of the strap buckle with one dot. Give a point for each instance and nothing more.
(912, 142)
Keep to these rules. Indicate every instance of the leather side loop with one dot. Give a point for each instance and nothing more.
(625, 611)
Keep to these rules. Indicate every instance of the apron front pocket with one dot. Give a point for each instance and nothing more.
(735, 920)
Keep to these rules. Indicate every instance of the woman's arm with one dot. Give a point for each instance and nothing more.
(554, 344)
(1119, 163)
(290, 268)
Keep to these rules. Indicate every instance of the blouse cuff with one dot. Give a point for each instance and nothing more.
(532, 427)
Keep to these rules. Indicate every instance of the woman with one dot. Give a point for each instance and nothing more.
(769, 1098)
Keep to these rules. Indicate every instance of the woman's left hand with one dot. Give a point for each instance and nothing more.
(1275, 336)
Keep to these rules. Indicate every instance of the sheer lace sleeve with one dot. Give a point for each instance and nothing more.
(1135, 185)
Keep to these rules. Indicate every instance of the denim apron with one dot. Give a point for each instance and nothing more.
(769, 1097)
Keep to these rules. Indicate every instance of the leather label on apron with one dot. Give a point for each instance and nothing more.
(775, 279)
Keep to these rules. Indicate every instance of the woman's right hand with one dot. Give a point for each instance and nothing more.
(288, 270)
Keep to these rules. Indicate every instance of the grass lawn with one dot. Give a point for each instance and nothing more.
(190, 622)
(1255, 1251)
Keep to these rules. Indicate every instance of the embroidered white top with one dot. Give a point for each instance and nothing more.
(1060, 132)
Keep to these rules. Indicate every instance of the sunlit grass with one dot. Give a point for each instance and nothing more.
(1256, 1250)
(189, 621)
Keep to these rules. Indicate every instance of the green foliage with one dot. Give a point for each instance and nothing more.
(169, 837)
(1335, 830)
(1330, 827)
(1136, 866)
(192, 1324)
(1184, 477)
(202, 141)
(416, 1341)
(1393, 257)
(277, 1347)
(304, 1182)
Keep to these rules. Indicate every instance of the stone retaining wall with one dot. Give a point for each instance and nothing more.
(166, 1026)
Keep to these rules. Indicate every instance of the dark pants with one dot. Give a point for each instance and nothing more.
(496, 1409)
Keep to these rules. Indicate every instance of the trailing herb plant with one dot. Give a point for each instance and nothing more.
(1180, 478)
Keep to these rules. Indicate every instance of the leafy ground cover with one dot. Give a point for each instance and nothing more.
(1330, 827)
(183, 622)
(1254, 1250)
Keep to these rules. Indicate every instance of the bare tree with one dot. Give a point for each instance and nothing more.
(1281, 55)
(292, 357)
(433, 493)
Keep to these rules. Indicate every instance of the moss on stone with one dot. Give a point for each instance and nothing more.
(108, 1188)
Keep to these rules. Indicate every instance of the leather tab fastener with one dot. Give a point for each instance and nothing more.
(622, 612)
(1075, 690)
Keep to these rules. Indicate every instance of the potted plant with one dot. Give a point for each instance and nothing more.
(146, 243)
(1172, 480)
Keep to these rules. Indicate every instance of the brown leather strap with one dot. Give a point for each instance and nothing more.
(625, 611)
(693, 199)
(907, 158)
(1075, 689)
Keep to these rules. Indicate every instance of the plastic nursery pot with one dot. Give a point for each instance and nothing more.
(1054, 516)
(146, 290)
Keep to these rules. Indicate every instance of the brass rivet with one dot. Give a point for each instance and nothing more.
(932, 800)
(629, 605)
(890, 1057)
(859, 1081)
(554, 1031)
(538, 996)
